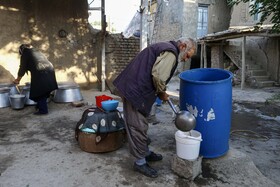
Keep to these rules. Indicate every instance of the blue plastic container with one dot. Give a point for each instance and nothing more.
(207, 94)
(110, 105)
(158, 101)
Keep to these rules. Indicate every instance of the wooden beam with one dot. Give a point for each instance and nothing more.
(227, 36)
(205, 55)
(103, 56)
(243, 62)
(201, 54)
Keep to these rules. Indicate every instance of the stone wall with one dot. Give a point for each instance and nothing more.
(240, 16)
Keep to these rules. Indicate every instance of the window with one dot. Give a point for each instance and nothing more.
(257, 16)
(202, 22)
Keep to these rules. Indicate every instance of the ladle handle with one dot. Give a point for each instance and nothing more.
(172, 106)
(18, 90)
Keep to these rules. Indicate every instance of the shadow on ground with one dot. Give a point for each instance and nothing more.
(42, 151)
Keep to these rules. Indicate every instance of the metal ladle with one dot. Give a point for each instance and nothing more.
(16, 87)
(184, 120)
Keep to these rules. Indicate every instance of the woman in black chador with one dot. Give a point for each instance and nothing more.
(43, 80)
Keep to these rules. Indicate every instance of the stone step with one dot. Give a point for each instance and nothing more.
(254, 67)
(257, 73)
(262, 84)
(261, 78)
(250, 61)
(258, 77)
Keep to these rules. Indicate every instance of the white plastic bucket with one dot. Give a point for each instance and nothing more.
(188, 144)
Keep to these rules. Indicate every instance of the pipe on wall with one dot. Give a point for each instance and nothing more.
(278, 69)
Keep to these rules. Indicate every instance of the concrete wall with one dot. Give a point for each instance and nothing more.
(60, 29)
(179, 18)
(168, 21)
(219, 16)
(241, 17)
(39, 22)
(271, 51)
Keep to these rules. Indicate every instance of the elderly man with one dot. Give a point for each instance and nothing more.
(139, 84)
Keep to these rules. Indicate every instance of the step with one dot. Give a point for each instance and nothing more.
(253, 67)
(257, 72)
(250, 61)
(263, 84)
(261, 78)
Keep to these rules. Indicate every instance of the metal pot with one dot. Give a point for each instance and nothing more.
(67, 93)
(27, 84)
(13, 88)
(4, 97)
(184, 120)
(26, 91)
(17, 101)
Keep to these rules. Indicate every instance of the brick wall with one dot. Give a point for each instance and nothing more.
(119, 52)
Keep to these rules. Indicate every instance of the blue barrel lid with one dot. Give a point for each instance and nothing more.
(206, 75)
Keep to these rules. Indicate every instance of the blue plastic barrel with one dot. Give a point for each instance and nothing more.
(207, 94)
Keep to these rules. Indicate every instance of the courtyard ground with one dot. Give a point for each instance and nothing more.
(41, 151)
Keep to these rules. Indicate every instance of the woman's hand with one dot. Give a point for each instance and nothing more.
(17, 80)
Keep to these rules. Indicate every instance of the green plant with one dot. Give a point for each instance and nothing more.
(264, 7)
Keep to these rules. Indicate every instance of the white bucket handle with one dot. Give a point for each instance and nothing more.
(193, 138)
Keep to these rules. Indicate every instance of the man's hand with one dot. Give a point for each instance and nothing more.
(163, 96)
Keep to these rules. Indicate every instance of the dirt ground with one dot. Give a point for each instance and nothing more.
(42, 151)
(256, 132)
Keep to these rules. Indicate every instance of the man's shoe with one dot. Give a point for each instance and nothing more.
(146, 170)
(39, 113)
(153, 157)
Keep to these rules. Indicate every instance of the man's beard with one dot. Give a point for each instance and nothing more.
(180, 56)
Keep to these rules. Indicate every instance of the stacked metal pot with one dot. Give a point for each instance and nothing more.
(26, 91)
(10, 96)
(67, 92)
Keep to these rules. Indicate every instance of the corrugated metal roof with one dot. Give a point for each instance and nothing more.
(237, 32)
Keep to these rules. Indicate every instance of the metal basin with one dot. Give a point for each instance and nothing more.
(17, 101)
(4, 97)
(13, 88)
(26, 91)
(67, 93)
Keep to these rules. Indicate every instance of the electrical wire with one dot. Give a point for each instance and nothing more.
(91, 2)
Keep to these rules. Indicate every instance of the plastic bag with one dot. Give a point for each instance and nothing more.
(133, 29)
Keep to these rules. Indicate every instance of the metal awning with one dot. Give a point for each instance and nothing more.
(232, 33)
(238, 32)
